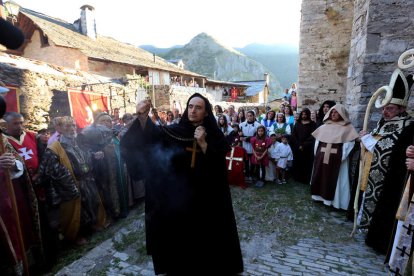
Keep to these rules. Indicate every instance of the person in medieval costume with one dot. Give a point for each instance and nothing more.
(136, 188)
(24, 142)
(302, 143)
(248, 129)
(190, 223)
(401, 261)
(334, 141)
(13, 253)
(74, 205)
(235, 160)
(383, 176)
(98, 137)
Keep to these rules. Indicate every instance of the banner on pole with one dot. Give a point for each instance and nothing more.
(83, 104)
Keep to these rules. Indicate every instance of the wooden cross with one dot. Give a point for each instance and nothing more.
(193, 150)
(327, 152)
(231, 158)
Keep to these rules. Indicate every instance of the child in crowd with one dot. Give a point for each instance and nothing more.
(271, 168)
(283, 155)
(260, 160)
(294, 101)
(235, 160)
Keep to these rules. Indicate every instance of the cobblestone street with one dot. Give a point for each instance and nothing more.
(266, 250)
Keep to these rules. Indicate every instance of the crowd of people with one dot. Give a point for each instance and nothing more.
(67, 186)
(75, 182)
(319, 148)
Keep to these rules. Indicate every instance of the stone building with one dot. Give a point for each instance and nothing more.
(348, 49)
(80, 61)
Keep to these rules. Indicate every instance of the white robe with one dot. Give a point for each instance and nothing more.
(283, 155)
(271, 168)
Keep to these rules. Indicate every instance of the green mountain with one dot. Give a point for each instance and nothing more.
(207, 56)
(281, 59)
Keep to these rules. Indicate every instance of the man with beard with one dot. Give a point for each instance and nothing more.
(74, 205)
(383, 176)
(190, 224)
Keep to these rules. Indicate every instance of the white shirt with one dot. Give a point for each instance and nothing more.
(249, 130)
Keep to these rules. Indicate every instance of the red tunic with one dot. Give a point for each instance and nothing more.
(259, 146)
(26, 146)
(235, 164)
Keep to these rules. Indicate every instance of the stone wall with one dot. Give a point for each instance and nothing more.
(323, 50)
(43, 94)
(382, 31)
(348, 49)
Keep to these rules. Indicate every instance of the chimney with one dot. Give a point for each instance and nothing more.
(87, 21)
(266, 78)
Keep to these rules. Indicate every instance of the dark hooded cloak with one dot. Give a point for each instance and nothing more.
(190, 224)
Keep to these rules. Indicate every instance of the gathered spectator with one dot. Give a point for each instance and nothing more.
(223, 125)
(271, 168)
(42, 138)
(302, 145)
(57, 125)
(170, 118)
(241, 116)
(280, 127)
(268, 121)
(294, 101)
(287, 95)
(325, 106)
(177, 115)
(248, 129)
(290, 119)
(260, 159)
(283, 156)
(98, 138)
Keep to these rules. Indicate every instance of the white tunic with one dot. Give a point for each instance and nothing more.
(248, 130)
(283, 153)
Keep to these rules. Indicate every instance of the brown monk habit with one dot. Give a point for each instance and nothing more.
(331, 138)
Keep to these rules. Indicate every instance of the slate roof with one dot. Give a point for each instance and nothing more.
(104, 48)
(255, 87)
(211, 81)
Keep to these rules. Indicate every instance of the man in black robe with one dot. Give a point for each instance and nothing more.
(190, 224)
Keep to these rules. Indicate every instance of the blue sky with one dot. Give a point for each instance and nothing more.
(165, 23)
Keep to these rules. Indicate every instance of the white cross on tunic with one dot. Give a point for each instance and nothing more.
(231, 158)
(327, 152)
(26, 154)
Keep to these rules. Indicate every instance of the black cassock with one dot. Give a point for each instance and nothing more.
(190, 224)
